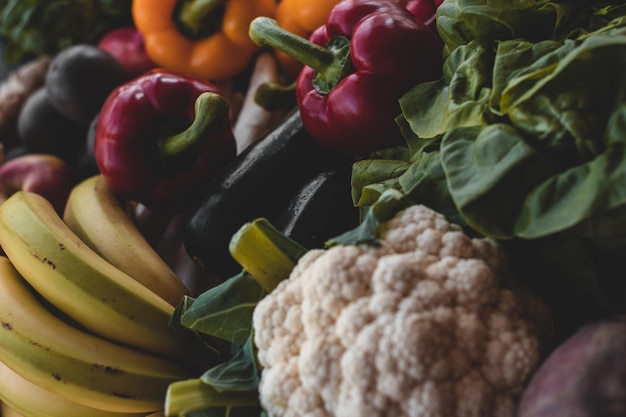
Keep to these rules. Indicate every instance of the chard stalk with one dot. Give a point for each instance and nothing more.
(265, 252)
(186, 396)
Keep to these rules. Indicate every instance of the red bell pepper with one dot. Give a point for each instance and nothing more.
(423, 10)
(357, 66)
(161, 136)
(126, 44)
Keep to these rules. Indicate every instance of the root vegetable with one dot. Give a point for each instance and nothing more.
(583, 377)
(254, 120)
(17, 87)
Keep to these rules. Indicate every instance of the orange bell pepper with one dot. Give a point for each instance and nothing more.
(300, 17)
(202, 38)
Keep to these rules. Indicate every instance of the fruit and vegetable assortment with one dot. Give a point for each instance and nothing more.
(335, 208)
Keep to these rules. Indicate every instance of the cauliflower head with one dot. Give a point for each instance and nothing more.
(428, 324)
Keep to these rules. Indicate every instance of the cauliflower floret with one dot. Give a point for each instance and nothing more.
(425, 324)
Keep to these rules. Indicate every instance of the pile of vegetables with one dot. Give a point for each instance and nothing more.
(384, 207)
(521, 140)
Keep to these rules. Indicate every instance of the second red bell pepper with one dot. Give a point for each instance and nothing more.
(424, 10)
(161, 136)
(357, 66)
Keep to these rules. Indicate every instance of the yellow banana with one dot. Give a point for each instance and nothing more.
(7, 411)
(69, 362)
(97, 216)
(26, 398)
(82, 284)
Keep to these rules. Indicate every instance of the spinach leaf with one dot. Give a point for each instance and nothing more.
(563, 101)
(490, 170)
(460, 98)
(461, 21)
(560, 159)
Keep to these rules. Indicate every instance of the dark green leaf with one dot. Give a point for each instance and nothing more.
(387, 205)
(562, 100)
(490, 171)
(31, 28)
(461, 21)
(460, 98)
(579, 193)
(225, 311)
(368, 173)
(240, 373)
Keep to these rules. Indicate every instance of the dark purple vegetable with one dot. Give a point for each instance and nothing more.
(583, 377)
(80, 78)
(43, 129)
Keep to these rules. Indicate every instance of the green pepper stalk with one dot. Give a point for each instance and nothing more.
(196, 16)
(210, 109)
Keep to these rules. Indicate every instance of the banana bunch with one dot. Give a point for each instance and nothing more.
(102, 221)
(6, 411)
(85, 305)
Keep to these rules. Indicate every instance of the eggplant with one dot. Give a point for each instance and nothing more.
(259, 182)
(321, 209)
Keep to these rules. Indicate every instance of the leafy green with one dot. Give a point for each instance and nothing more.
(230, 389)
(225, 311)
(560, 159)
(35, 27)
(190, 397)
(240, 373)
(417, 173)
(265, 252)
(522, 140)
(386, 206)
(460, 98)
(460, 22)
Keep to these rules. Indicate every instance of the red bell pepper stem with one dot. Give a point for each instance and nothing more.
(266, 31)
(211, 111)
(331, 62)
(194, 14)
